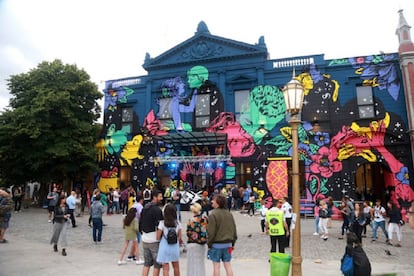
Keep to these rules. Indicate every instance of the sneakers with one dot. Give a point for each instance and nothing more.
(121, 262)
(131, 258)
(139, 262)
(50, 221)
(315, 234)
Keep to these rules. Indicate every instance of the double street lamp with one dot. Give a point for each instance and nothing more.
(293, 94)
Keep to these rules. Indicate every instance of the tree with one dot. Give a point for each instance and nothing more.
(49, 131)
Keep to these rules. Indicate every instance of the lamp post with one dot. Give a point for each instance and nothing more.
(293, 95)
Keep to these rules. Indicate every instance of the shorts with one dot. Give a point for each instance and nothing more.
(219, 254)
(4, 221)
(150, 254)
(51, 208)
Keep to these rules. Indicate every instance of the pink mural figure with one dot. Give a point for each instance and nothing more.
(239, 142)
(153, 125)
(360, 141)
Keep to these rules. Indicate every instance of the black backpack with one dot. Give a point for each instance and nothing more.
(171, 236)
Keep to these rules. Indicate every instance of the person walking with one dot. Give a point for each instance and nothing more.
(130, 226)
(196, 240)
(276, 227)
(367, 213)
(176, 199)
(97, 210)
(78, 208)
(124, 200)
(151, 215)
(345, 211)
(17, 196)
(323, 219)
(394, 224)
(316, 214)
(222, 235)
(169, 249)
(263, 210)
(116, 197)
(379, 220)
(134, 253)
(6, 207)
(287, 210)
(60, 221)
(359, 222)
(71, 202)
(52, 197)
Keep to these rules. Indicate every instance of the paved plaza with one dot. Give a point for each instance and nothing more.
(28, 251)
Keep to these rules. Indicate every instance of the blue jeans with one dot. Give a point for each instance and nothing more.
(116, 206)
(316, 224)
(345, 225)
(97, 229)
(178, 208)
(380, 224)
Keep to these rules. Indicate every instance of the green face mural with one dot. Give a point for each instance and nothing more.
(197, 75)
(266, 109)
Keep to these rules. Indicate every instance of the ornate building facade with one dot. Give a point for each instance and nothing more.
(210, 112)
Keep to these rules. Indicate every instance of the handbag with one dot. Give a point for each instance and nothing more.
(347, 265)
(402, 222)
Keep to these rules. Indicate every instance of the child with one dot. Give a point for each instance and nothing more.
(130, 231)
(323, 219)
(169, 252)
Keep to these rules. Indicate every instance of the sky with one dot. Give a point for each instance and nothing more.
(109, 39)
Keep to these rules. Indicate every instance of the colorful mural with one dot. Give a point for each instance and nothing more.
(329, 156)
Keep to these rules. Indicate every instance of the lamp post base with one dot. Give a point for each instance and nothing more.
(296, 266)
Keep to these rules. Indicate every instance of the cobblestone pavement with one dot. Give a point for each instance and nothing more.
(28, 251)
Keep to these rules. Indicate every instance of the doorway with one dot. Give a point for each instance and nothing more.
(370, 182)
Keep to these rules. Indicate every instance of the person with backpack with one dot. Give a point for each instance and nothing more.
(170, 237)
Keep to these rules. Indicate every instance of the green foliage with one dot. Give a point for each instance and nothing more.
(50, 130)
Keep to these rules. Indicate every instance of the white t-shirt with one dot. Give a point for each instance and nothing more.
(116, 196)
(378, 211)
(263, 211)
(287, 209)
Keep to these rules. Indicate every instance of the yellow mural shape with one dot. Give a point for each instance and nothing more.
(105, 183)
(131, 150)
(100, 146)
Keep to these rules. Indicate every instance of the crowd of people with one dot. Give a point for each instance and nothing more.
(156, 224)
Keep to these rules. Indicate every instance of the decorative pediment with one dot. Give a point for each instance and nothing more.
(204, 46)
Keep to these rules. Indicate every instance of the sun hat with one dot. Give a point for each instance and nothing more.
(195, 208)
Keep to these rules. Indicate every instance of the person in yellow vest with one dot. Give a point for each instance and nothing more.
(276, 227)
